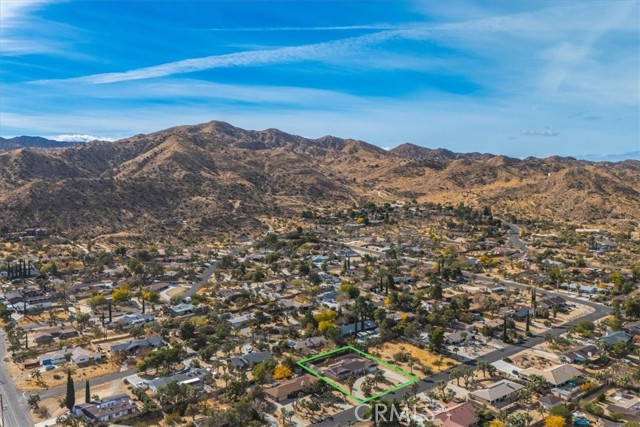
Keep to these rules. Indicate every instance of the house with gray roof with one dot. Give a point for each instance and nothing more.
(193, 377)
(135, 344)
(349, 366)
(350, 329)
(247, 361)
(497, 394)
(611, 338)
(108, 409)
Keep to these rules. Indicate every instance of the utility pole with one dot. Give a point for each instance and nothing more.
(2, 409)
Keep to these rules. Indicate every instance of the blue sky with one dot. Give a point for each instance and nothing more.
(517, 78)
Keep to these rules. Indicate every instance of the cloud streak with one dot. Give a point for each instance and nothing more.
(80, 138)
(325, 51)
(327, 28)
(538, 132)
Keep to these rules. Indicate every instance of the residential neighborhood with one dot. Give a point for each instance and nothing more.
(439, 308)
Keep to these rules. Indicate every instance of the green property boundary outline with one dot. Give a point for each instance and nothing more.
(302, 363)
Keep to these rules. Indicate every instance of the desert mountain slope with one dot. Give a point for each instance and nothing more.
(220, 178)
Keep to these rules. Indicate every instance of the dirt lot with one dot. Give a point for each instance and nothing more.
(57, 376)
(534, 359)
(44, 317)
(435, 362)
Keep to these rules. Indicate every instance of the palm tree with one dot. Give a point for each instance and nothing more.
(378, 377)
(483, 366)
(350, 381)
(411, 362)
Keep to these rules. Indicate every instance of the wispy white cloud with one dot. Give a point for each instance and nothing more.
(325, 28)
(310, 52)
(80, 138)
(24, 33)
(538, 132)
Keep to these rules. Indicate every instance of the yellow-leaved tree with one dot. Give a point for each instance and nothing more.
(282, 372)
(555, 421)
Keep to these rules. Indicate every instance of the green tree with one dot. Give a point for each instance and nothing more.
(71, 392)
(34, 401)
(350, 290)
(632, 308)
(187, 330)
(436, 340)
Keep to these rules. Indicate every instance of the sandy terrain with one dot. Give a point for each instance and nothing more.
(58, 376)
(426, 358)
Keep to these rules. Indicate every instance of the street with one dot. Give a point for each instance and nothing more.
(514, 237)
(15, 411)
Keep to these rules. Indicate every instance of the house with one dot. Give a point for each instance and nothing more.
(42, 338)
(108, 409)
(455, 415)
(240, 322)
(611, 338)
(457, 337)
(289, 305)
(14, 297)
(497, 394)
(58, 332)
(349, 366)
(246, 361)
(53, 358)
(557, 376)
(507, 368)
(307, 344)
(193, 377)
(625, 403)
(182, 309)
(350, 329)
(550, 302)
(81, 357)
(580, 354)
(521, 313)
(633, 328)
(329, 299)
(135, 344)
(576, 287)
(290, 388)
(549, 401)
(494, 323)
(131, 320)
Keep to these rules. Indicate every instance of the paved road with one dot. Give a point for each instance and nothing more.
(347, 416)
(514, 237)
(15, 410)
(79, 385)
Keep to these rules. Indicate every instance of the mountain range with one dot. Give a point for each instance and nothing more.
(32, 142)
(220, 179)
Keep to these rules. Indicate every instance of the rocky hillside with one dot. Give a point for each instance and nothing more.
(219, 178)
